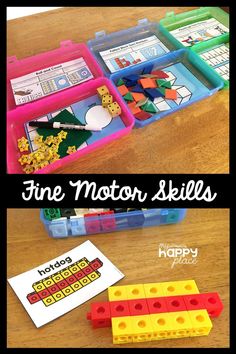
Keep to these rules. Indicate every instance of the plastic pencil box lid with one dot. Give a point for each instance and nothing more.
(190, 76)
(174, 21)
(145, 41)
(62, 227)
(18, 117)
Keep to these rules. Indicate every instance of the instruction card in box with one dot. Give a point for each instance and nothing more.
(44, 82)
(60, 285)
(132, 53)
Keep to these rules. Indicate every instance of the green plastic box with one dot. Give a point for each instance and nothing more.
(174, 21)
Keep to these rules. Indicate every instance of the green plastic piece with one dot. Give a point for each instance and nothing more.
(73, 138)
(51, 214)
(120, 82)
(149, 107)
(160, 82)
(128, 97)
(167, 84)
(162, 90)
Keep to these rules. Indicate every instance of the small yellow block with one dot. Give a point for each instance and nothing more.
(28, 169)
(162, 326)
(201, 322)
(142, 328)
(181, 323)
(49, 300)
(114, 109)
(49, 140)
(71, 150)
(62, 134)
(179, 288)
(135, 291)
(117, 293)
(153, 290)
(38, 140)
(122, 330)
(102, 90)
(23, 144)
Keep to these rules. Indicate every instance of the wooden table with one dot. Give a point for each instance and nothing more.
(193, 140)
(135, 254)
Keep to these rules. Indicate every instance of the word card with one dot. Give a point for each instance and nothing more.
(44, 82)
(199, 31)
(133, 53)
(218, 59)
(60, 285)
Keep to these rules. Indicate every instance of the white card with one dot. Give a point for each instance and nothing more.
(44, 82)
(49, 290)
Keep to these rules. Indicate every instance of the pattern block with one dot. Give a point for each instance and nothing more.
(65, 282)
(137, 315)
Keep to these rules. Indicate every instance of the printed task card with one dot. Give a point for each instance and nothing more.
(44, 82)
(60, 285)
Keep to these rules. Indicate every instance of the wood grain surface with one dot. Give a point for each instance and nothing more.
(193, 140)
(135, 254)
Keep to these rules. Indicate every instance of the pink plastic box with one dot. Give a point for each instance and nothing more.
(17, 116)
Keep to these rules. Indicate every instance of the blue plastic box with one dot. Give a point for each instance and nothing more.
(143, 30)
(79, 226)
(191, 77)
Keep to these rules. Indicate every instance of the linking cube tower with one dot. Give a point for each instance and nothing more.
(65, 282)
(155, 311)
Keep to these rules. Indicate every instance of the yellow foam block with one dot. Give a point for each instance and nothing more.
(122, 330)
(201, 322)
(117, 293)
(142, 328)
(185, 287)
